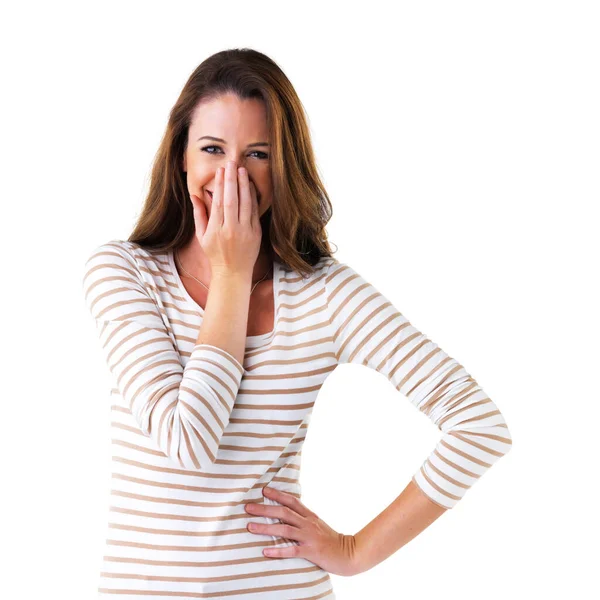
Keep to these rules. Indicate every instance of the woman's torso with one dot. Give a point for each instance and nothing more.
(177, 531)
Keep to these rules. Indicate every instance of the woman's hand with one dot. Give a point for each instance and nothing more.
(334, 552)
(231, 237)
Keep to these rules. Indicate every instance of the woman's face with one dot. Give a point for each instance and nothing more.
(233, 129)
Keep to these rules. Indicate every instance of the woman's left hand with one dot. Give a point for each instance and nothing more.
(334, 552)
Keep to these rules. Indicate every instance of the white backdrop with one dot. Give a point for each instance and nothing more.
(459, 143)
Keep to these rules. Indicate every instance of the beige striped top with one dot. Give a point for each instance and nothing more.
(196, 434)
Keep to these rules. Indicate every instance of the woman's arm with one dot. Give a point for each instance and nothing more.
(367, 329)
(409, 514)
(185, 410)
(225, 319)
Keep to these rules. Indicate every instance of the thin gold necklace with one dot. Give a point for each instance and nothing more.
(190, 275)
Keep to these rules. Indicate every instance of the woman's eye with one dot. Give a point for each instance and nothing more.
(207, 148)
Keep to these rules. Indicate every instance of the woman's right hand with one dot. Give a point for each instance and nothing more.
(231, 237)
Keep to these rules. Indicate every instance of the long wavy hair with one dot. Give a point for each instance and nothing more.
(294, 225)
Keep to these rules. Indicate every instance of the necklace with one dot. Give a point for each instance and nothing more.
(190, 275)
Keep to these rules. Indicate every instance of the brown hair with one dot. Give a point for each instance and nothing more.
(294, 225)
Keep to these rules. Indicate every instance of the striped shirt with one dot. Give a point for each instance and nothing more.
(196, 434)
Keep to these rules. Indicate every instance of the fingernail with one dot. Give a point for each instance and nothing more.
(242, 171)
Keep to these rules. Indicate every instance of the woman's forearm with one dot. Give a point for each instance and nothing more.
(409, 514)
(225, 321)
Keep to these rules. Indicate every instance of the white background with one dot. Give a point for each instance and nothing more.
(460, 146)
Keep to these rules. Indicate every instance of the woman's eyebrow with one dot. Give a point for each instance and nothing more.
(216, 139)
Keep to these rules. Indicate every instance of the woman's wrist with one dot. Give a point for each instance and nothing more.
(226, 276)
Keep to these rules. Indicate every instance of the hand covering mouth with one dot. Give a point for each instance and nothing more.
(209, 192)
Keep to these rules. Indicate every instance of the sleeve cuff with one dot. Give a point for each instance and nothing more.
(433, 491)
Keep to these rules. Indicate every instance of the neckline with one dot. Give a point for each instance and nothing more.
(251, 340)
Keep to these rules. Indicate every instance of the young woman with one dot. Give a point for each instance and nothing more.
(220, 319)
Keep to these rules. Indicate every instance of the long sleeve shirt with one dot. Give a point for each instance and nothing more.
(196, 434)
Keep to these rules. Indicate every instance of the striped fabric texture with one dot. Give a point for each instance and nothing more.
(367, 329)
(196, 434)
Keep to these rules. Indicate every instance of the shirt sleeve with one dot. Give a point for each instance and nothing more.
(184, 410)
(367, 329)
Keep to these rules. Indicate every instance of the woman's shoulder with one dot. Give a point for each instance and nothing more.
(294, 279)
(119, 252)
(321, 266)
(128, 250)
(124, 259)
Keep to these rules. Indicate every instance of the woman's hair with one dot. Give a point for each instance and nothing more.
(294, 225)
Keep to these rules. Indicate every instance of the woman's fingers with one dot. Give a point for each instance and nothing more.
(248, 201)
(216, 208)
(245, 196)
(254, 218)
(288, 500)
(200, 216)
(228, 242)
(230, 195)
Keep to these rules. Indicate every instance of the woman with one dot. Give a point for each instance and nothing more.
(220, 319)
